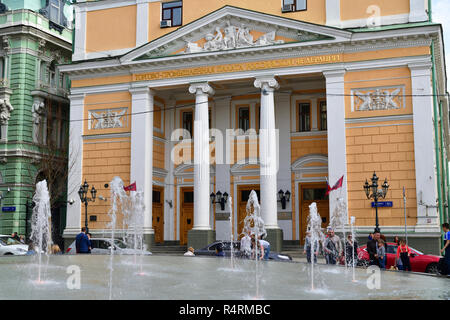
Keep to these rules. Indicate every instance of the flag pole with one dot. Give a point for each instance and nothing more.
(404, 208)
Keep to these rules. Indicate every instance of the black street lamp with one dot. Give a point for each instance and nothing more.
(219, 198)
(284, 197)
(84, 188)
(372, 192)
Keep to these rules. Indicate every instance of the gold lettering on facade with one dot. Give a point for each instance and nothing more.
(237, 67)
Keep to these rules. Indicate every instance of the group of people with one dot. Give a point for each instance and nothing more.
(333, 249)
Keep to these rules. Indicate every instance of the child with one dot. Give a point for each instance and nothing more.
(381, 252)
(404, 252)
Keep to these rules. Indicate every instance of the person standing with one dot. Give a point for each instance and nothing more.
(404, 252)
(372, 246)
(308, 247)
(332, 246)
(446, 248)
(82, 242)
(351, 250)
(381, 252)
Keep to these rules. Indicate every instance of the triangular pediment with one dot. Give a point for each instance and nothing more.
(231, 29)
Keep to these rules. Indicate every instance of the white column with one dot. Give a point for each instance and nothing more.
(80, 34)
(141, 169)
(169, 193)
(283, 119)
(74, 181)
(201, 156)
(337, 160)
(222, 114)
(268, 152)
(418, 10)
(424, 154)
(333, 11)
(141, 22)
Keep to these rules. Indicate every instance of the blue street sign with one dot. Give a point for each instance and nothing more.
(383, 204)
(8, 209)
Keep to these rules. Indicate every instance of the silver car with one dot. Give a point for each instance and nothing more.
(103, 246)
(9, 246)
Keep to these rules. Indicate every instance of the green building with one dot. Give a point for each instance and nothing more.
(35, 37)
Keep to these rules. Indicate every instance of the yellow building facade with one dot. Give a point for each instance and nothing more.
(188, 98)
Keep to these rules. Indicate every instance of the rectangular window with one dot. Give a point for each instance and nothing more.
(156, 196)
(188, 122)
(315, 194)
(304, 113)
(188, 197)
(55, 14)
(297, 5)
(244, 118)
(323, 115)
(173, 12)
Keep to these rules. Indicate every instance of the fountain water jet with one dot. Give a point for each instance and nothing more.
(352, 222)
(134, 221)
(315, 229)
(40, 223)
(339, 219)
(230, 207)
(254, 223)
(118, 197)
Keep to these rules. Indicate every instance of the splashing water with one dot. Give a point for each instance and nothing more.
(118, 200)
(134, 222)
(40, 223)
(316, 234)
(230, 207)
(339, 220)
(352, 223)
(254, 225)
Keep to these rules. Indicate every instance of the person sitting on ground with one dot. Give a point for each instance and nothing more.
(56, 249)
(246, 245)
(31, 249)
(381, 252)
(190, 252)
(256, 245)
(404, 252)
(219, 251)
(266, 245)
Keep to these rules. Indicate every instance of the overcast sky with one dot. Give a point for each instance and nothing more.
(441, 12)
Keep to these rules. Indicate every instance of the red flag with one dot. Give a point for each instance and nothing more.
(131, 187)
(337, 185)
(328, 188)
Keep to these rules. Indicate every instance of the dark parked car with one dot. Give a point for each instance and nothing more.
(210, 250)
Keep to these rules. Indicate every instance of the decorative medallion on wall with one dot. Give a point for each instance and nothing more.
(107, 119)
(382, 98)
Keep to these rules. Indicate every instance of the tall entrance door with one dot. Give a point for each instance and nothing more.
(243, 194)
(309, 193)
(187, 213)
(158, 214)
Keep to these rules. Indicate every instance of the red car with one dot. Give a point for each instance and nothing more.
(419, 262)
